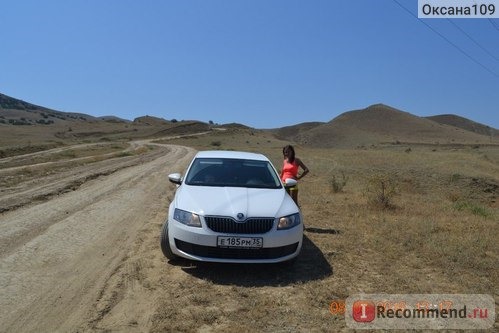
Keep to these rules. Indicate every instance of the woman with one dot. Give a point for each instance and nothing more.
(290, 170)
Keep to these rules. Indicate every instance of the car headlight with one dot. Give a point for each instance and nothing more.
(187, 218)
(288, 222)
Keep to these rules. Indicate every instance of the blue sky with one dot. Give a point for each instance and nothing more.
(262, 63)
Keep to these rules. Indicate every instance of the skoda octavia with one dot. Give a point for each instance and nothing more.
(232, 207)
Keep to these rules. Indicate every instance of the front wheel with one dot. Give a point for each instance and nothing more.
(165, 243)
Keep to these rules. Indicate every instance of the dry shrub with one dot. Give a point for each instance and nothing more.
(454, 196)
(216, 143)
(338, 184)
(380, 191)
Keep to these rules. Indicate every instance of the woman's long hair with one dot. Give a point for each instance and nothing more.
(289, 152)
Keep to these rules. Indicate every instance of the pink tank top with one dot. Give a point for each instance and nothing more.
(289, 170)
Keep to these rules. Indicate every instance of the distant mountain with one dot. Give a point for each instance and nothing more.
(379, 124)
(376, 124)
(114, 119)
(18, 112)
(7, 102)
(23, 123)
(234, 125)
(466, 124)
(292, 133)
(151, 121)
(182, 128)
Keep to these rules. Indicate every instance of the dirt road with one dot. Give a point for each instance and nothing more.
(67, 260)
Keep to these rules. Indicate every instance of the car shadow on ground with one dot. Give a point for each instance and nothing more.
(310, 265)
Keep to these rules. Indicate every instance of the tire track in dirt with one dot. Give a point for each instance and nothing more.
(16, 232)
(24, 159)
(46, 186)
(81, 248)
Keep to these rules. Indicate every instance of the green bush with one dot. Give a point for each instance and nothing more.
(472, 208)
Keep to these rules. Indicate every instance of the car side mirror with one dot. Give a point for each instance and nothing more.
(290, 182)
(175, 178)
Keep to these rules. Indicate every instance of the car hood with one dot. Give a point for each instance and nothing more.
(231, 201)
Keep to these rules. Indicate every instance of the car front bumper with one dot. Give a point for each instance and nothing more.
(201, 244)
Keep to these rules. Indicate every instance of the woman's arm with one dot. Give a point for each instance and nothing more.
(303, 166)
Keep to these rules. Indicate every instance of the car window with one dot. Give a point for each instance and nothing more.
(232, 173)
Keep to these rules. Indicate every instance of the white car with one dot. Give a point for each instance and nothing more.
(232, 207)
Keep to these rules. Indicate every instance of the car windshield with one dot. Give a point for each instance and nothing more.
(232, 173)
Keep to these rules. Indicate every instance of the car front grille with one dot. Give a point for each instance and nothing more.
(228, 225)
(230, 253)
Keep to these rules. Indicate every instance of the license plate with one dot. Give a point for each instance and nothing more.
(240, 242)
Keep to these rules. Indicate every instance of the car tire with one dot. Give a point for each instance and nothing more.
(165, 243)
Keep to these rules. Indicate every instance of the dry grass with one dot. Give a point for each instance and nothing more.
(427, 243)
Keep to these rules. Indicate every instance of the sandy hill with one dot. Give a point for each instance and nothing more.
(380, 124)
(464, 123)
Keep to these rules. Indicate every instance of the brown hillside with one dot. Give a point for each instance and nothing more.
(234, 125)
(466, 124)
(7, 102)
(182, 128)
(18, 112)
(380, 124)
(150, 121)
(292, 133)
(114, 119)
(28, 127)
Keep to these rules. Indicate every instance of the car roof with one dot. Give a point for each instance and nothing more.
(231, 154)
